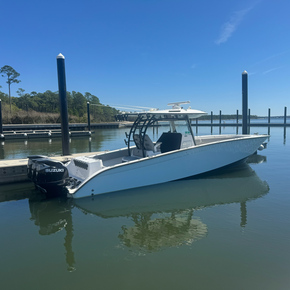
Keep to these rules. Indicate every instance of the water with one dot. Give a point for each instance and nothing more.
(227, 230)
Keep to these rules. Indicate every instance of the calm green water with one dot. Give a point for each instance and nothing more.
(227, 230)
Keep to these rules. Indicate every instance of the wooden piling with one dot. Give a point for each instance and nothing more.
(245, 102)
(63, 104)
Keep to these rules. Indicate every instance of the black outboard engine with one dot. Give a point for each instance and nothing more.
(48, 175)
(31, 164)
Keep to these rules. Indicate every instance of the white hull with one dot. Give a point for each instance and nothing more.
(237, 186)
(170, 166)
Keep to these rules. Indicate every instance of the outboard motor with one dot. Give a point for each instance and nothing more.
(31, 164)
(48, 175)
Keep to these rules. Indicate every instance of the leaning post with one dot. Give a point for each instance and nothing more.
(63, 104)
(245, 102)
(1, 126)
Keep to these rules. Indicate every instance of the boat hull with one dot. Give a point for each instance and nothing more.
(237, 186)
(170, 166)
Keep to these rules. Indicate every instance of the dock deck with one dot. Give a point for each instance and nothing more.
(15, 170)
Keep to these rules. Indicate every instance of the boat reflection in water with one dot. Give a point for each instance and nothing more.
(162, 214)
(151, 235)
(52, 216)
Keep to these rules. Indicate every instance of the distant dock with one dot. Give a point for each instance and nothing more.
(32, 131)
(33, 134)
(72, 127)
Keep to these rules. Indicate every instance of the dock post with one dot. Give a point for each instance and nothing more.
(63, 104)
(1, 126)
(211, 120)
(269, 120)
(89, 117)
(245, 102)
(249, 120)
(237, 129)
(285, 118)
(220, 119)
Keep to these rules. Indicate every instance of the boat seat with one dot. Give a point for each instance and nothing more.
(136, 138)
(149, 145)
(170, 141)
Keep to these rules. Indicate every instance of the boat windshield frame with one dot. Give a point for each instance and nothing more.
(145, 120)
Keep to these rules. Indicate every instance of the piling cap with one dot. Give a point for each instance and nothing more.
(60, 56)
(245, 72)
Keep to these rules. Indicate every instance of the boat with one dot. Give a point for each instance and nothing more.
(177, 154)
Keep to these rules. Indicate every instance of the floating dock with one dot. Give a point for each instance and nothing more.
(32, 134)
(29, 131)
(72, 127)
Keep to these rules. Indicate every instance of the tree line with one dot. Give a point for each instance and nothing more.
(44, 107)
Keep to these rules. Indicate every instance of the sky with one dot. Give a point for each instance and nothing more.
(150, 53)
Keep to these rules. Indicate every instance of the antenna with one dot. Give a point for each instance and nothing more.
(126, 107)
(176, 106)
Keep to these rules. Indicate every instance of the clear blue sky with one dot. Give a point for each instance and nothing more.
(149, 53)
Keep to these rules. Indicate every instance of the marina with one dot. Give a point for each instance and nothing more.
(105, 185)
(231, 223)
(15, 168)
(89, 175)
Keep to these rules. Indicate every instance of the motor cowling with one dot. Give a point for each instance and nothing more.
(47, 174)
(31, 164)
